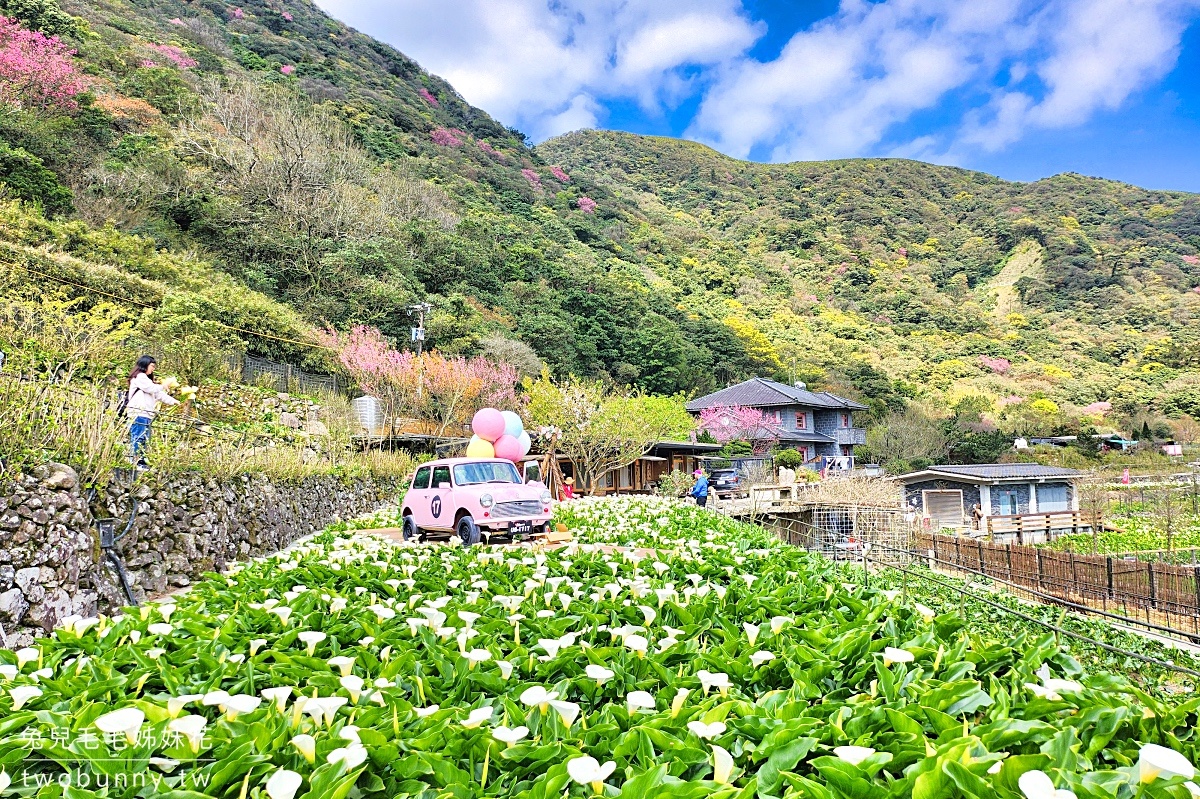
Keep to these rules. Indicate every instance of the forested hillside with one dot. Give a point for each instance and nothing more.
(330, 173)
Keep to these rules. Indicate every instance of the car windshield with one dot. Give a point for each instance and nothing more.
(470, 474)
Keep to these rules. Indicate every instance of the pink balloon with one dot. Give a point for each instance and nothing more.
(509, 448)
(488, 424)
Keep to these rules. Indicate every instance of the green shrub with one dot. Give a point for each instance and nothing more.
(28, 179)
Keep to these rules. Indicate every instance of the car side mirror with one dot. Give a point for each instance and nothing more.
(442, 486)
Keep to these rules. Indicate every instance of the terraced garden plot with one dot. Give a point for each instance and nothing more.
(723, 665)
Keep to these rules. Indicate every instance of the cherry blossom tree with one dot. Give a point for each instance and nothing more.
(534, 178)
(448, 137)
(454, 388)
(586, 204)
(726, 423)
(36, 71)
(559, 174)
(380, 370)
(429, 98)
(175, 55)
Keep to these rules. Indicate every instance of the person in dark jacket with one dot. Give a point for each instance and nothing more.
(699, 491)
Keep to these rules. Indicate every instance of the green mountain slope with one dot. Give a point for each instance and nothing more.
(324, 169)
(950, 282)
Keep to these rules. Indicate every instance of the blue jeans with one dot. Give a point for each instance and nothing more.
(139, 434)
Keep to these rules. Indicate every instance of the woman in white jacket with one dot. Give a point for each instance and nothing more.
(142, 403)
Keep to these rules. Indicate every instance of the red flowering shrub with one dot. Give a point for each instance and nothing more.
(286, 16)
(36, 70)
(559, 174)
(433, 101)
(586, 204)
(236, 13)
(534, 178)
(287, 69)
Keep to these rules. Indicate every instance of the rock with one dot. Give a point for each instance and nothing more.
(290, 420)
(315, 427)
(13, 606)
(62, 477)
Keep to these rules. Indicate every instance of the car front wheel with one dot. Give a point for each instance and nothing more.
(468, 531)
(409, 531)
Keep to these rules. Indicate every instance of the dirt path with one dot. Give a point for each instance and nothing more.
(1026, 260)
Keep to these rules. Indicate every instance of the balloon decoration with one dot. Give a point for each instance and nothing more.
(478, 448)
(498, 434)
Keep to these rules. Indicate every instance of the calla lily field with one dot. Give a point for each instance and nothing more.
(665, 652)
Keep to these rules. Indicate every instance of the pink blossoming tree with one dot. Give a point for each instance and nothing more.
(175, 55)
(490, 150)
(286, 16)
(998, 366)
(1191, 259)
(534, 178)
(559, 174)
(448, 137)
(287, 69)
(429, 98)
(586, 204)
(237, 13)
(726, 423)
(36, 71)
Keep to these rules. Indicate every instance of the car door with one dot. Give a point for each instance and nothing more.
(440, 506)
(418, 497)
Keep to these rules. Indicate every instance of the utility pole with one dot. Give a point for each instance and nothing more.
(418, 338)
(418, 332)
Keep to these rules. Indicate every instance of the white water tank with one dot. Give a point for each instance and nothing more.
(369, 413)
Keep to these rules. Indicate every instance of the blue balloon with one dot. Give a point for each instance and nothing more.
(525, 443)
(513, 426)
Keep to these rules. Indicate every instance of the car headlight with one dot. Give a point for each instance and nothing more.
(486, 501)
(547, 496)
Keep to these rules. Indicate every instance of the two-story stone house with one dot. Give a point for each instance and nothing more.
(815, 423)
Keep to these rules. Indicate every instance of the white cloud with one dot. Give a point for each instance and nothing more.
(841, 87)
(985, 72)
(545, 66)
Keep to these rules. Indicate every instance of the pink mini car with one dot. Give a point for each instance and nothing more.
(469, 496)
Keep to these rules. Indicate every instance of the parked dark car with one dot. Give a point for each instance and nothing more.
(725, 482)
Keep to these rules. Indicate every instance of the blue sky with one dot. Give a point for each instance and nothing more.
(1016, 88)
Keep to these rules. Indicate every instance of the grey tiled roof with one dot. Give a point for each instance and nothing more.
(758, 392)
(1000, 471)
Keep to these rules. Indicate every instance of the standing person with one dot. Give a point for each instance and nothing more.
(142, 401)
(700, 489)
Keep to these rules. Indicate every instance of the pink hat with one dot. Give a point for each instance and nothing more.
(697, 473)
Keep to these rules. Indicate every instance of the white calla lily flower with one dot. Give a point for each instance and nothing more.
(892, 655)
(1155, 762)
(706, 731)
(587, 770)
(722, 765)
(478, 717)
(283, 784)
(853, 754)
(192, 728)
(510, 735)
(126, 721)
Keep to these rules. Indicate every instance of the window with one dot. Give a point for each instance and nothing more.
(944, 507)
(801, 420)
(441, 474)
(778, 417)
(1006, 501)
(845, 420)
(469, 474)
(1052, 498)
(422, 478)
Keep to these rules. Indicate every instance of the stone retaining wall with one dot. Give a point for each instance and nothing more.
(186, 525)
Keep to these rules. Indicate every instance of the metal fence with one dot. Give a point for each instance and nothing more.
(283, 376)
(1124, 585)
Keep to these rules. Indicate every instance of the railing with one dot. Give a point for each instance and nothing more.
(1025, 523)
(850, 436)
(1157, 590)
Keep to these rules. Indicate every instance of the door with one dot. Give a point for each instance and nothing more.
(1007, 501)
(944, 508)
(418, 496)
(438, 508)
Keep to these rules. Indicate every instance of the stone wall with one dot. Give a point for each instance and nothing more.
(185, 525)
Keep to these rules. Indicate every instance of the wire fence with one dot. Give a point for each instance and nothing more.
(283, 376)
(1155, 591)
